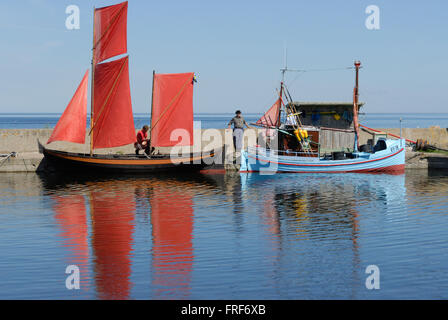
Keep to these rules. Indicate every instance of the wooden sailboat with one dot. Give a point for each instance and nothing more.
(112, 123)
(387, 156)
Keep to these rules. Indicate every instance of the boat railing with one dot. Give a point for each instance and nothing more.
(272, 152)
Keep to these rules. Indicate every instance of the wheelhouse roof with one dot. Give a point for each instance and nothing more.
(334, 104)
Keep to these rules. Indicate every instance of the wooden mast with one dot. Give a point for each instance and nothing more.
(92, 100)
(280, 107)
(355, 106)
(152, 105)
(277, 123)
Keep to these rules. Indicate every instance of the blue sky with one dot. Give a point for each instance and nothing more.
(236, 48)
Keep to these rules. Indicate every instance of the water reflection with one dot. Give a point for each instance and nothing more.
(230, 185)
(166, 204)
(172, 228)
(70, 214)
(247, 236)
(112, 209)
(330, 201)
(323, 209)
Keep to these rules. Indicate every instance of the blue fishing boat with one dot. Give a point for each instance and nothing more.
(388, 156)
(296, 148)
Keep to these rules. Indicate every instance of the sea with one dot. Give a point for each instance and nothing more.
(224, 236)
(220, 120)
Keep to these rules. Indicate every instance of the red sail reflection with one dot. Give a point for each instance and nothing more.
(112, 213)
(172, 223)
(271, 215)
(113, 207)
(70, 213)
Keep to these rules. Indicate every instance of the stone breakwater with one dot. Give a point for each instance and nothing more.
(28, 159)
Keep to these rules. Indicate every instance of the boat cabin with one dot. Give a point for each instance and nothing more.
(330, 124)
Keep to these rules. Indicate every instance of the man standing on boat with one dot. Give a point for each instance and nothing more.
(142, 141)
(238, 130)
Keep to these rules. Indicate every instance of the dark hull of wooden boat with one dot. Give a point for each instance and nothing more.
(66, 161)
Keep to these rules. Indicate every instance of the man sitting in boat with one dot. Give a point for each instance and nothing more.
(238, 130)
(142, 140)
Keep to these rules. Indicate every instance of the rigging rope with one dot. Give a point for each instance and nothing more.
(300, 72)
(329, 69)
(7, 156)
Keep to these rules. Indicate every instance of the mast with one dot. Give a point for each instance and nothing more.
(277, 123)
(92, 100)
(355, 105)
(152, 105)
(284, 70)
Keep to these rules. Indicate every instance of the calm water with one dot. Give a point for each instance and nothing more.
(233, 236)
(373, 120)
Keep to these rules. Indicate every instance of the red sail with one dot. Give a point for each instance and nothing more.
(172, 109)
(110, 36)
(113, 124)
(270, 118)
(72, 124)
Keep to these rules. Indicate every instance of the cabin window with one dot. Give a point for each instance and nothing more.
(380, 145)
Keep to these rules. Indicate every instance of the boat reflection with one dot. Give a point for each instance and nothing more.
(172, 232)
(322, 213)
(112, 209)
(322, 208)
(113, 205)
(70, 214)
(329, 200)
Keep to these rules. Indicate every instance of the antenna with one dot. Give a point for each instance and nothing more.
(286, 64)
(286, 58)
(285, 69)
